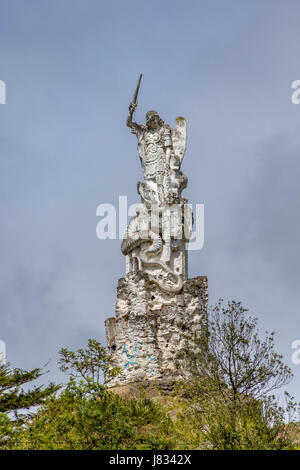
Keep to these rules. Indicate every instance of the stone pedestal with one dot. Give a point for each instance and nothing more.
(150, 325)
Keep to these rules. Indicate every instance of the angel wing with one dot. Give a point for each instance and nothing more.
(179, 137)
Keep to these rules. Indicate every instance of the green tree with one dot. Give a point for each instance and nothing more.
(230, 374)
(233, 357)
(88, 416)
(91, 363)
(13, 397)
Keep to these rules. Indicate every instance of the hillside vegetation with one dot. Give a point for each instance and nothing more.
(224, 401)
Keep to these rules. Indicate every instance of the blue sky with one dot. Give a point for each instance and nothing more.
(70, 69)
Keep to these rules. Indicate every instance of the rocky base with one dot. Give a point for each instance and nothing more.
(150, 326)
(150, 389)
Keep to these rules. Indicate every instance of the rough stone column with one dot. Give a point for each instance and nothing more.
(148, 329)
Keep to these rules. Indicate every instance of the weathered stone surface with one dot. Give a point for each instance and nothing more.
(157, 306)
(149, 327)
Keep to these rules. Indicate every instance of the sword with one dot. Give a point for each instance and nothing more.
(133, 103)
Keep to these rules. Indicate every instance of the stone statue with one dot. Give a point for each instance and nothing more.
(157, 307)
(161, 150)
(155, 241)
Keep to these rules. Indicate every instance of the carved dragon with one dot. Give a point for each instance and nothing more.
(136, 236)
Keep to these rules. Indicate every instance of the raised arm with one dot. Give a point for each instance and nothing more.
(135, 128)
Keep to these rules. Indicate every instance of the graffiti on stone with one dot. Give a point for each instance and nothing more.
(129, 356)
(136, 356)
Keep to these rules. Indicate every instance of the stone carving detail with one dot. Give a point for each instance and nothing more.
(161, 150)
(156, 238)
